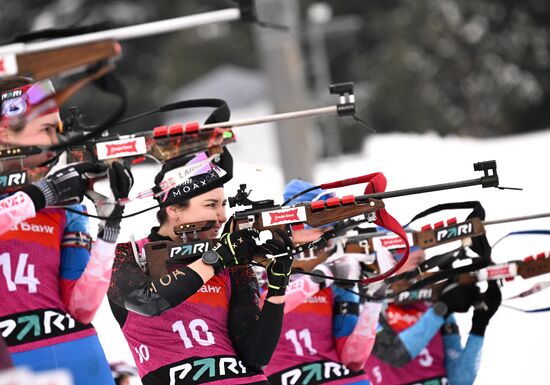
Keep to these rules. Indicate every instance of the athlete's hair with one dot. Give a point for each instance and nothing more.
(162, 216)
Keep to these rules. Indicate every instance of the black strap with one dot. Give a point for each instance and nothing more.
(346, 307)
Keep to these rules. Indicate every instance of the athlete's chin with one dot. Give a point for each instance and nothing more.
(211, 234)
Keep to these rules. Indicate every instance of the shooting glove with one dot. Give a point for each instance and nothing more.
(235, 247)
(121, 181)
(65, 186)
(458, 298)
(278, 269)
(491, 301)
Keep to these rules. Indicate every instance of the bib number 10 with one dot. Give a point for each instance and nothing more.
(21, 277)
(199, 332)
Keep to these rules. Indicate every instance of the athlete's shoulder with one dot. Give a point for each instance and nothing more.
(75, 220)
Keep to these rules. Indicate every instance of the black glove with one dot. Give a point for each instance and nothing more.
(65, 186)
(459, 298)
(121, 181)
(483, 313)
(278, 269)
(235, 248)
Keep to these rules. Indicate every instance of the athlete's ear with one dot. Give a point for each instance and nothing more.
(172, 212)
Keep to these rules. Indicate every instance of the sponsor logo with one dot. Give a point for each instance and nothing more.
(206, 370)
(37, 325)
(313, 373)
(8, 66)
(189, 249)
(115, 149)
(24, 226)
(499, 272)
(13, 179)
(392, 243)
(421, 294)
(209, 289)
(11, 201)
(398, 317)
(12, 94)
(123, 147)
(282, 217)
(320, 299)
(454, 232)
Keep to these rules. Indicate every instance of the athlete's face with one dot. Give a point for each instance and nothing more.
(209, 206)
(41, 131)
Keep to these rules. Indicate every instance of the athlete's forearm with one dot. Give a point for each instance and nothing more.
(462, 364)
(416, 337)
(14, 209)
(359, 344)
(88, 291)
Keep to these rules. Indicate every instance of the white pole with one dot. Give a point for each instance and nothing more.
(127, 33)
(273, 118)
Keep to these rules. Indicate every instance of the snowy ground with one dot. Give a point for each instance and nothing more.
(516, 343)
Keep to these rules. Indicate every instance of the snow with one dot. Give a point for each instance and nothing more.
(516, 343)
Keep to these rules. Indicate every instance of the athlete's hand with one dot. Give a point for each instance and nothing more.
(278, 269)
(64, 186)
(235, 247)
(121, 181)
(459, 298)
(487, 309)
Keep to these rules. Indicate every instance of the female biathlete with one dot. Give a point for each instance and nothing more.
(199, 322)
(420, 344)
(52, 277)
(326, 338)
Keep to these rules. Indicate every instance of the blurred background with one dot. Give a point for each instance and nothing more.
(444, 84)
(465, 68)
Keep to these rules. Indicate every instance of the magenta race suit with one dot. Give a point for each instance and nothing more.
(324, 337)
(416, 346)
(182, 331)
(52, 285)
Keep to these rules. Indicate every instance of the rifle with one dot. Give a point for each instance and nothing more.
(163, 142)
(266, 215)
(53, 57)
(530, 267)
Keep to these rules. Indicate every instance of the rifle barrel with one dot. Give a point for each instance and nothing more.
(516, 219)
(127, 33)
(420, 190)
(275, 117)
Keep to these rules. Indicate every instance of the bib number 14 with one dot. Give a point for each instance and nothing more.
(24, 273)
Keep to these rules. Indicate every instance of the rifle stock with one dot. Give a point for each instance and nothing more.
(313, 214)
(442, 235)
(46, 64)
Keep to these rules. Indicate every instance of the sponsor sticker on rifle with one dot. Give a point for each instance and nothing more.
(390, 242)
(505, 270)
(190, 249)
(12, 179)
(454, 232)
(121, 148)
(8, 65)
(285, 216)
